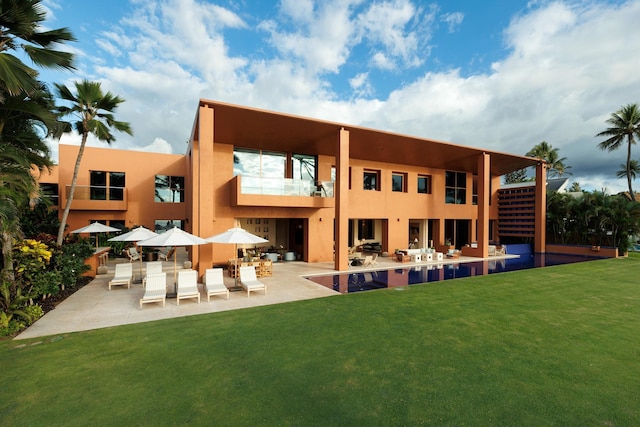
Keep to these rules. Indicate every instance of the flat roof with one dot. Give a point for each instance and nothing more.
(268, 130)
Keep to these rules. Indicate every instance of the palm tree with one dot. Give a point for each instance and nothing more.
(555, 164)
(625, 126)
(92, 110)
(20, 29)
(575, 187)
(634, 170)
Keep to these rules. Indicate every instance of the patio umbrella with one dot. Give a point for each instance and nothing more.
(236, 235)
(135, 235)
(96, 227)
(173, 237)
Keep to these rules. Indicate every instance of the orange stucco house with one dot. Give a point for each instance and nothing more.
(313, 188)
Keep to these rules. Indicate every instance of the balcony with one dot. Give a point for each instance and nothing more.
(97, 198)
(281, 192)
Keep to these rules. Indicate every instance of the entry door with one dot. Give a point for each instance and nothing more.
(296, 236)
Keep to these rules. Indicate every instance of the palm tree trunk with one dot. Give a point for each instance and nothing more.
(630, 141)
(74, 180)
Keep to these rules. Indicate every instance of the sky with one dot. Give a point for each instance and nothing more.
(503, 75)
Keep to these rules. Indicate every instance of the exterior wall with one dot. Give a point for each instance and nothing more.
(596, 251)
(140, 169)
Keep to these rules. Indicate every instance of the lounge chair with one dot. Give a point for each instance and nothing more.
(153, 267)
(214, 283)
(249, 281)
(166, 256)
(368, 261)
(187, 285)
(123, 276)
(156, 289)
(133, 254)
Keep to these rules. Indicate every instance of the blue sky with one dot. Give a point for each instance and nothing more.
(499, 74)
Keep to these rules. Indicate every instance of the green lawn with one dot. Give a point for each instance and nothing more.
(552, 346)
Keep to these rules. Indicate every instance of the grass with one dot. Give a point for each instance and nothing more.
(552, 346)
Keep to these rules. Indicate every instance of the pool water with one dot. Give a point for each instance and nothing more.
(398, 277)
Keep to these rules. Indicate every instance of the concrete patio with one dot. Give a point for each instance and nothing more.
(94, 306)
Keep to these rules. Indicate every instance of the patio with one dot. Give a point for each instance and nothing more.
(94, 306)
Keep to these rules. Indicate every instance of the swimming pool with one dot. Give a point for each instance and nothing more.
(397, 277)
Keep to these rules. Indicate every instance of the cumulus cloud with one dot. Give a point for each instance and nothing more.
(566, 66)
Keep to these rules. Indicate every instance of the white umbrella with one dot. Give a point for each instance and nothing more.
(236, 235)
(135, 235)
(95, 227)
(173, 237)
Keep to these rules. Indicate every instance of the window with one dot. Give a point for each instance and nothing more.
(167, 224)
(455, 188)
(106, 185)
(50, 193)
(303, 167)
(372, 180)
(169, 189)
(258, 163)
(424, 184)
(398, 182)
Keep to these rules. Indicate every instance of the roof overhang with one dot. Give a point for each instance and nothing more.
(267, 130)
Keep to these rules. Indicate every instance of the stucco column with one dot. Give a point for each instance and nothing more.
(484, 179)
(540, 239)
(204, 206)
(341, 258)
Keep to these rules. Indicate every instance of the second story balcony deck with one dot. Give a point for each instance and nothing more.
(97, 198)
(281, 192)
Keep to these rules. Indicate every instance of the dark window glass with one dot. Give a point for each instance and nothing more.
(169, 189)
(456, 188)
(98, 185)
(371, 180)
(116, 185)
(424, 184)
(397, 182)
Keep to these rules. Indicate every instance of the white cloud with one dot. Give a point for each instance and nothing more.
(453, 20)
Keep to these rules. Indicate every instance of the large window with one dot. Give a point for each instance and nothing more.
(50, 192)
(106, 185)
(258, 163)
(424, 184)
(399, 182)
(169, 189)
(455, 188)
(371, 180)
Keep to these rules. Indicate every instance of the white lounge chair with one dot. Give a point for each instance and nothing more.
(249, 281)
(368, 261)
(214, 283)
(187, 285)
(156, 289)
(123, 276)
(153, 267)
(166, 256)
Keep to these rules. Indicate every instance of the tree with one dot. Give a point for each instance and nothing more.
(575, 187)
(92, 110)
(516, 176)
(634, 170)
(625, 126)
(555, 164)
(20, 23)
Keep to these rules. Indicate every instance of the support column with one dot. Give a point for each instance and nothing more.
(206, 210)
(341, 190)
(484, 179)
(540, 238)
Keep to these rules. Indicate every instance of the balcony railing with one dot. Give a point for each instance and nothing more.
(285, 187)
(96, 197)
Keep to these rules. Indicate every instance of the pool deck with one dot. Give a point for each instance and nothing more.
(95, 307)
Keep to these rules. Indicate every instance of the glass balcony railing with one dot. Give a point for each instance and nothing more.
(285, 187)
(97, 192)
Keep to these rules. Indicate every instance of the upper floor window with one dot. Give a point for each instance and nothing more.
(106, 185)
(50, 192)
(169, 189)
(259, 163)
(303, 167)
(424, 184)
(399, 182)
(371, 180)
(455, 188)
